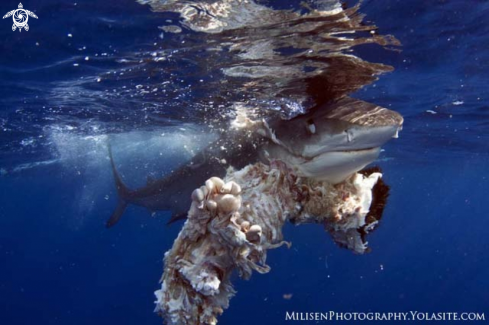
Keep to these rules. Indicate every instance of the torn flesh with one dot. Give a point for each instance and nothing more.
(232, 222)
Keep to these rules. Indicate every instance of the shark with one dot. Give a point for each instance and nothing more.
(330, 142)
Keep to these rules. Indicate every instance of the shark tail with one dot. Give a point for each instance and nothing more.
(123, 192)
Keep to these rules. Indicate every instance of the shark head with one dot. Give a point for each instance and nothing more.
(332, 142)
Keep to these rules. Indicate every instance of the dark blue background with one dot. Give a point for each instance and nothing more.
(59, 265)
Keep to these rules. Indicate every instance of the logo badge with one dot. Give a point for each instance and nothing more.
(20, 17)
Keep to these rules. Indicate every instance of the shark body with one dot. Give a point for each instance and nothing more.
(330, 143)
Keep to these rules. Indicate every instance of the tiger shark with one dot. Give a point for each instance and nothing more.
(331, 142)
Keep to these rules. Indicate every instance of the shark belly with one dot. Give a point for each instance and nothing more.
(332, 166)
(336, 166)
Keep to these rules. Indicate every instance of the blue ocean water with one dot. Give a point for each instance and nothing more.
(87, 69)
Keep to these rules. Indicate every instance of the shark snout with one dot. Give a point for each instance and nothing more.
(335, 142)
(351, 139)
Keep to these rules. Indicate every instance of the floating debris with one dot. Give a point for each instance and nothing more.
(287, 296)
(171, 29)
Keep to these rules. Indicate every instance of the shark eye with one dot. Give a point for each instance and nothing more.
(311, 127)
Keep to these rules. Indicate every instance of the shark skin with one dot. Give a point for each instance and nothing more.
(330, 143)
(333, 141)
(173, 191)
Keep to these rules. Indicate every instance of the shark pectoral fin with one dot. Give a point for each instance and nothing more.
(117, 214)
(176, 217)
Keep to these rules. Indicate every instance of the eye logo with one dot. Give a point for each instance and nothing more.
(20, 17)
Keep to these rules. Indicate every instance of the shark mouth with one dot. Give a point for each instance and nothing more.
(333, 166)
(333, 142)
